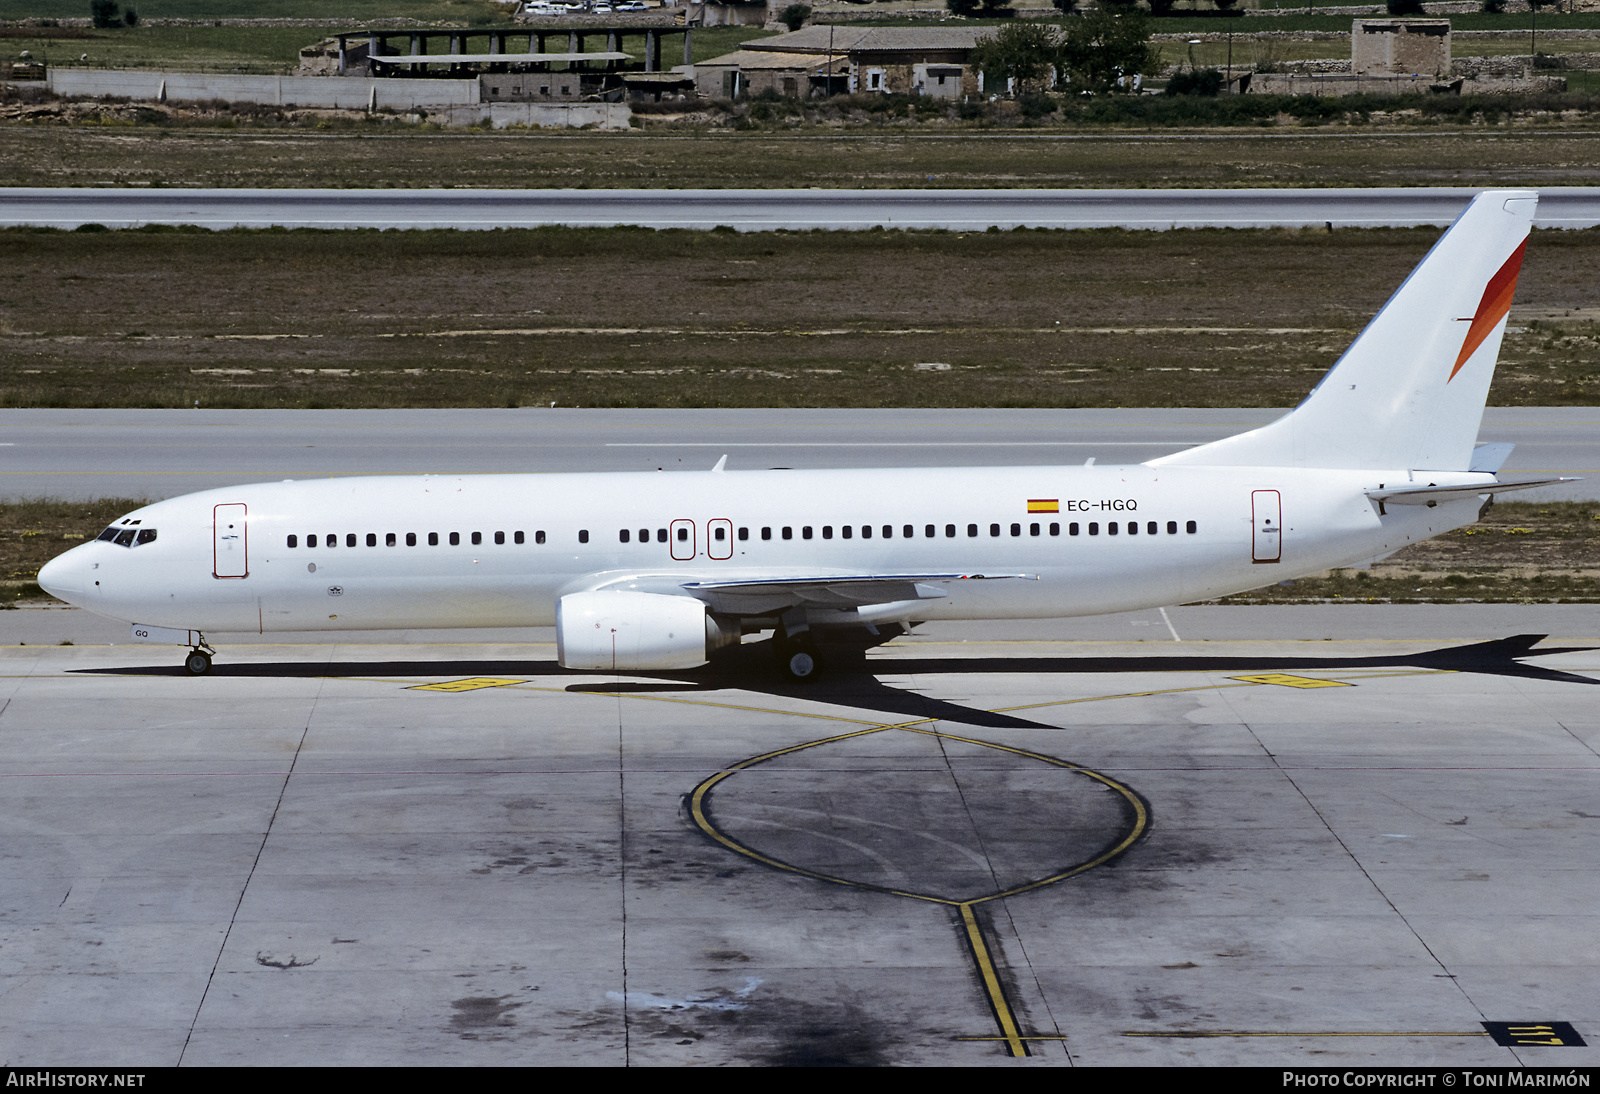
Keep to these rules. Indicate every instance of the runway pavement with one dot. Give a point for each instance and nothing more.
(162, 453)
(1273, 836)
(768, 210)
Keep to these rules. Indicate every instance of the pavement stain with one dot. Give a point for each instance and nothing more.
(482, 1017)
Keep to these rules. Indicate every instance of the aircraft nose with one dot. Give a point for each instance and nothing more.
(63, 577)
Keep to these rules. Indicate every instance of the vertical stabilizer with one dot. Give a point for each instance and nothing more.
(1409, 392)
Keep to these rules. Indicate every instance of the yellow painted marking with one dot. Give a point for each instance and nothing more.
(472, 684)
(991, 982)
(1284, 679)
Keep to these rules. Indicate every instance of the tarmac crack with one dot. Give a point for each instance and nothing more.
(254, 863)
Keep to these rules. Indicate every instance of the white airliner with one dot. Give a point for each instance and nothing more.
(651, 571)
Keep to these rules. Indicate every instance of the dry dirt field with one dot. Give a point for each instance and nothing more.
(107, 146)
(637, 318)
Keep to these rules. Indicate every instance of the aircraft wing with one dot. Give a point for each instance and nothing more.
(1432, 495)
(848, 591)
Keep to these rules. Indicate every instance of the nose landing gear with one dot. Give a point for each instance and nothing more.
(198, 663)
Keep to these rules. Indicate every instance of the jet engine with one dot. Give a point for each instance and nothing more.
(620, 629)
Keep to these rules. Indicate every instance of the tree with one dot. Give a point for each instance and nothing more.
(1065, 7)
(1405, 7)
(795, 15)
(1024, 52)
(1101, 49)
(104, 13)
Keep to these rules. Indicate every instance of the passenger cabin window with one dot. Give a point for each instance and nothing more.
(110, 533)
(622, 536)
(583, 535)
(1191, 528)
(517, 538)
(411, 539)
(433, 539)
(311, 541)
(538, 537)
(389, 540)
(477, 538)
(350, 540)
(500, 537)
(455, 539)
(372, 539)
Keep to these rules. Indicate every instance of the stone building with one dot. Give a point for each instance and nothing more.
(1400, 47)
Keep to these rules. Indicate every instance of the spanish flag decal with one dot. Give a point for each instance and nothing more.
(1492, 308)
(1044, 505)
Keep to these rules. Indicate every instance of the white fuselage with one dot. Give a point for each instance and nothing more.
(1123, 538)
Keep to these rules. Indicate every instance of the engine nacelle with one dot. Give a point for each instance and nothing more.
(631, 630)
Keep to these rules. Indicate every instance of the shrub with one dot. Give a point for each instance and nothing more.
(1204, 81)
(795, 15)
(130, 17)
(1406, 7)
(104, 14)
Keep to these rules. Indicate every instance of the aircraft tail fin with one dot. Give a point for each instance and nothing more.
(1409, 392)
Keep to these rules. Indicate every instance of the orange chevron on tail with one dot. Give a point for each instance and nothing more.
(1492, 308)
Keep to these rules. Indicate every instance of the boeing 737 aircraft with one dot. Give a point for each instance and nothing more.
(651, 571)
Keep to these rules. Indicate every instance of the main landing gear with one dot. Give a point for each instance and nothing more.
(796, 650)
(198, 663)
(798, 662)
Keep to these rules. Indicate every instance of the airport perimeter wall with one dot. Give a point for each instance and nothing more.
(348, 93)
(446, 102)
(542, 115)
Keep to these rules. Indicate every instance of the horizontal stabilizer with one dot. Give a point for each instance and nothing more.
(1432, 495)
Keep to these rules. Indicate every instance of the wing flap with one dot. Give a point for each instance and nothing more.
(844, 591)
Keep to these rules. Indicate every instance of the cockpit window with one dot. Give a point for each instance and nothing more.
(124, 536)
